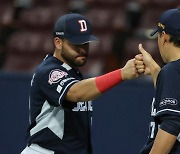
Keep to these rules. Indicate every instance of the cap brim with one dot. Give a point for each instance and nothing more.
(154, 32)
(82, 39)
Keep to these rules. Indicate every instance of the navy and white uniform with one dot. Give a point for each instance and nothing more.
(56, 124)
(165, 112)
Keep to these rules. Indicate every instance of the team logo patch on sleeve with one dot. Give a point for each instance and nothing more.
(56, 75)
(168, 101)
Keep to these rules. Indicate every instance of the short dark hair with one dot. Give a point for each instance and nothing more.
(173, 39)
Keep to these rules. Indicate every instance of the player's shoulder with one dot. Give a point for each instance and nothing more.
(171, 68)
(51, 65)
(51, 69)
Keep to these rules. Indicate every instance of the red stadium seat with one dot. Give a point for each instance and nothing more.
(150, 17)
(50, 2)
(101, 18)
(19, 63)
(6, 14)
(28, 42)
(27, 49)
(166, 4)
(108, 3)
(41, 18)
(5, 2)
(103, 47)
(94, 66)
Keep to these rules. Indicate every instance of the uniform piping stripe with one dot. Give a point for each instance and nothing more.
(66, 66)
(66, 88)
(168, 110)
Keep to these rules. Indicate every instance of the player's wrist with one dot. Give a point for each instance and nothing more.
(109, 80)
(126, 74)
(154, 67)
(123, 74)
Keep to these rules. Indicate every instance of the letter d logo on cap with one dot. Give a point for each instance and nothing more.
(83, 25)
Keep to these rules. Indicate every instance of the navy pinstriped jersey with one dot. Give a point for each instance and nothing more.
(57, 124)
(165, 112)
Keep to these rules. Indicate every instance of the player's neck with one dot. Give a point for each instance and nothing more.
(59, 57)
(174, 54)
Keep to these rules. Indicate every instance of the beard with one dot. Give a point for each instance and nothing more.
(73, 60)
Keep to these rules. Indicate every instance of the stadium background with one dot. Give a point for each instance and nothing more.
(121, 115)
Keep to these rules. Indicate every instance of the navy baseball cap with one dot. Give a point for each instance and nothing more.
(169, 22)
(75, 28)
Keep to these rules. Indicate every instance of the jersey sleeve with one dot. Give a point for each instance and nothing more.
(54, 84)
(168, 92)
(170, 124)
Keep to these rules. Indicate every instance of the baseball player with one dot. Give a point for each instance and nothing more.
(164, 135)
(60, 98)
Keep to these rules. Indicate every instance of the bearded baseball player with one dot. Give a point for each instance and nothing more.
(60, 98)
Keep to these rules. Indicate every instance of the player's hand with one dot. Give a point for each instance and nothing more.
(140, 64)
(129, 71)
(146, 58)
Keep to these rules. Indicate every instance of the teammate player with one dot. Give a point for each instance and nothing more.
(164, 137)
(60, 99)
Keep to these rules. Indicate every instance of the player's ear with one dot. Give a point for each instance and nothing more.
(166, 37)
(58, 42)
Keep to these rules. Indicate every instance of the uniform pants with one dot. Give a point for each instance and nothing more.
(36, 149)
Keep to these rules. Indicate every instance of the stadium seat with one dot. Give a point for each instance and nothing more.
(34, 40)
(5, 2)
(6, 14)
(26, 49)
(41, 18)
(166, 4)
(108, 3)
(101, 18)
(28, 42)
(104, 46)
(94, 66)
(21, 63)
(50, 2)
(150, 17)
